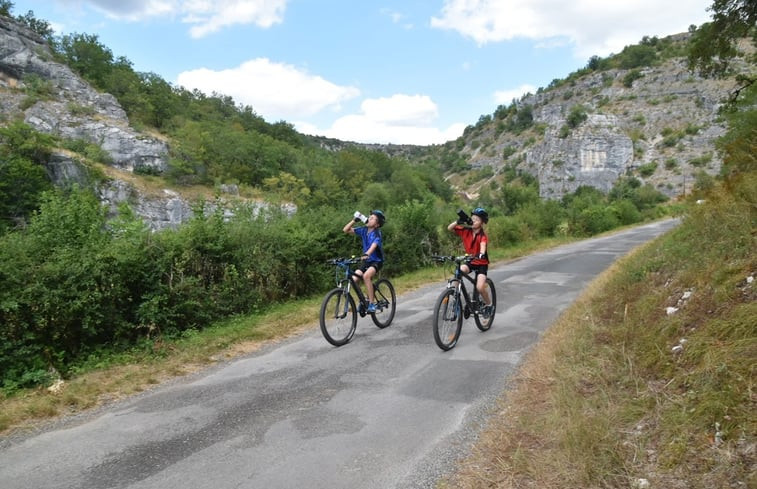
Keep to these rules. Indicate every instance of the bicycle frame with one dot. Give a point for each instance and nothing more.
(455, 303)
(458, 281)
(348, 282)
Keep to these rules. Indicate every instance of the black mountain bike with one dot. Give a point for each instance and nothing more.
(338, 310)
(455, 303)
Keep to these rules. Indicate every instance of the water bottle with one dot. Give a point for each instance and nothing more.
(360, 217)
(463, 218)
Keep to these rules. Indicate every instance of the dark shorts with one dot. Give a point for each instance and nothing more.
(367, 264)
(479, 269)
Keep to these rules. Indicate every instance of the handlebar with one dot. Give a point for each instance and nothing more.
(343, 261)
(456, 259)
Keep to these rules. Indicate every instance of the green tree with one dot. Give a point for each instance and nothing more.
(23, 177)
(5, 8)
(41, 27)
(712, 50)
(637, 56)
(576, 116)
(524, 118)
(160, 102)
(739, 144)
(714, 45)
(86, 55)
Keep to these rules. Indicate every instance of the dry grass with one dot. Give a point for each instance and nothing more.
(620, 394)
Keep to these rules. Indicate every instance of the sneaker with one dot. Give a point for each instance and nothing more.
(371, 308)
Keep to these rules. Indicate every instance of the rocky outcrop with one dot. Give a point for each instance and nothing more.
(74, 110)
(594, 154)
(661, 128)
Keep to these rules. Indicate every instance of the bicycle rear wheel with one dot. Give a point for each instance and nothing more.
(338, 317)
(386, 303)
(448, 319)
(484, 323)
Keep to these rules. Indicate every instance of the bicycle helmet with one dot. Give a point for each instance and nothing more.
(380, 216)
(481, 212)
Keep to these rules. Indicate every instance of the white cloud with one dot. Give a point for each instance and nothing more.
(205, 16)
(505, 97)
(592, 27)
(278, 91)
(399, 119)
(401, 110)
(274, 90)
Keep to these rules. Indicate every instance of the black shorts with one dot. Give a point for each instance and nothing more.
(367, 264)
(479, 269)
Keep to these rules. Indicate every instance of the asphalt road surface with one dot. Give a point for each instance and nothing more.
(388, 410)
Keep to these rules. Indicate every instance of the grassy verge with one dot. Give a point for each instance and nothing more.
(111, 377)
(648, 379)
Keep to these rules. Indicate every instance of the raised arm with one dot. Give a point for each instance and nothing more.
(348, 227)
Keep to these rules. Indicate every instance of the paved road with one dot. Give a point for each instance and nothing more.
(388, 410)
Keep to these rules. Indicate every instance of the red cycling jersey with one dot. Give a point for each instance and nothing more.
(472, 243)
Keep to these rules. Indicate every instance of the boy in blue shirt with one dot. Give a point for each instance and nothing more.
(373, 252)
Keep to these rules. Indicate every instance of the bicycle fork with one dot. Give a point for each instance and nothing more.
(454, 308)
(343, 304)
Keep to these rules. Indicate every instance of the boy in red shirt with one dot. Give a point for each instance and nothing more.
(475, 242)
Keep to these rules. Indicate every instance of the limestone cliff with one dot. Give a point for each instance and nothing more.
(72, 109)
(660, 127)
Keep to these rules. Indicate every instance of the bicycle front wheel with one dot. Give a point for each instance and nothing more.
(338, 317)
(448, 319)
(485, 321)
(386, 303)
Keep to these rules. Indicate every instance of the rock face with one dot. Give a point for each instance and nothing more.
(661, 128)
(595, 154)
(74, 110)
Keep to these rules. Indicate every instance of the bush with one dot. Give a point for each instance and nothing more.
(505, 231)
(631, 77)
(596, 219)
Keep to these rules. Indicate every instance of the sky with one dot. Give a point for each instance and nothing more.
(387, 71)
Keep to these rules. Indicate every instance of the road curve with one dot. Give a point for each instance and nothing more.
(387, 410)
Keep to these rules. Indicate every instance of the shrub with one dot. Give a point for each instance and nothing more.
(631, 77)
(648, 169)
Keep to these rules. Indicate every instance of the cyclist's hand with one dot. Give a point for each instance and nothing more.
(364, 257)
(480, 256)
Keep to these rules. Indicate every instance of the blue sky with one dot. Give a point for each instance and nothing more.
(390, 71)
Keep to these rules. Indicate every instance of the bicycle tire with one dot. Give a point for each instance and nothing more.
(338, 319)
(448, 319)
(386, 302)
(485, 324)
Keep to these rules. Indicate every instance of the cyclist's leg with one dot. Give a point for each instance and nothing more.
(357, 275)
(368, 275)
(482, 288)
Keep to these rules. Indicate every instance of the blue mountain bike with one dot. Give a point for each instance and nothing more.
(339, 312)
